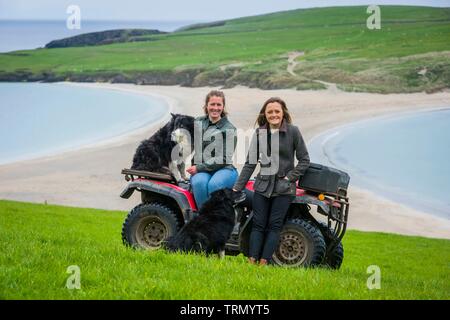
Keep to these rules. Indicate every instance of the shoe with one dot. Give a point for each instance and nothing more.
(238, 197)
(252, 260)
(263, 262)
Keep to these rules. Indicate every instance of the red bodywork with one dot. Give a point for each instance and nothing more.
(190, 197)
(300, 193)
(249, 186)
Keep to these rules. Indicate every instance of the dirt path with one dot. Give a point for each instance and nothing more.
(292, 64)
(291, 61)
(330, 85)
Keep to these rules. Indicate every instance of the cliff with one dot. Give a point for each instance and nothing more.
(104, 37)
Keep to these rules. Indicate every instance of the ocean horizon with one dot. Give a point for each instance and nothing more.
(402, 157)
(33, 34)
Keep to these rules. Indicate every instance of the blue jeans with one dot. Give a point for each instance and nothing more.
(204, 183)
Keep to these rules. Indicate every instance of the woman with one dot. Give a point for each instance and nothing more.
(213, 169)
(275, 184)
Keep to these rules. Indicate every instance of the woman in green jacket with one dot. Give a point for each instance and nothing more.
(214, 144)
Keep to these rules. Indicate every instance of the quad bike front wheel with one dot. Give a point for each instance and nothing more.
(333, 259)
(335, 251)
(300, 244)
(148, 225)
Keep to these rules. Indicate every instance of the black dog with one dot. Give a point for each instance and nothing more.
(155, 154)
(210, 230)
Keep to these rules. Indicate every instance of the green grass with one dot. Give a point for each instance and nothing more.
(335, 41)
(39, 242)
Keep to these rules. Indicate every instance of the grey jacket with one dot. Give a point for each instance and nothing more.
(217, 145)
(271, 181)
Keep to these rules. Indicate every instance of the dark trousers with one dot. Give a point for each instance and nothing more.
(268, 218)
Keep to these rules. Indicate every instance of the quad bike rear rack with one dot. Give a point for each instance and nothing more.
(131, 175)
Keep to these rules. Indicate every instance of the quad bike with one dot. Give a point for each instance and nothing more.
(304, 241)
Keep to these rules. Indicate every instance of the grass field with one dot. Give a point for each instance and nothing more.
(39, 242)
(410, 53)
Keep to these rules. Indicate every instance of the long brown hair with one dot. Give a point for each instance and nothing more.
(215, 93)
(261, 120)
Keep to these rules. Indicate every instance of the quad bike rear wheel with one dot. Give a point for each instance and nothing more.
(148, 225)
(301, 244)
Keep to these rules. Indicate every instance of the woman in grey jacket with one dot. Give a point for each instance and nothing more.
(274, 145)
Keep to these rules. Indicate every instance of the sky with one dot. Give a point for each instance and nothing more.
(172, 10)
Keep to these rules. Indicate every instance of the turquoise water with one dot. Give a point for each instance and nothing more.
(405, 158)
(38, 119)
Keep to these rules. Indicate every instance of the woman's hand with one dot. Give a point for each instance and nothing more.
(192, 170)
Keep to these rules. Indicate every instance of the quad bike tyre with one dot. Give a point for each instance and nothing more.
(301, 244)
(333, 259)
(148, 225)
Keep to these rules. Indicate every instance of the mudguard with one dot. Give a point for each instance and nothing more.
(307, 199)
(183, 197)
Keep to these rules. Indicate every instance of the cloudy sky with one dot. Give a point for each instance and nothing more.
(170, 10)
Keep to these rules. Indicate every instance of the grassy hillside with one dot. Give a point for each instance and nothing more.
(411, 52)
(39, 243)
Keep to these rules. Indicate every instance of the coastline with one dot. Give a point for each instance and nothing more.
(117, 138)
(320, 152)
(90, 177)
(129, 136)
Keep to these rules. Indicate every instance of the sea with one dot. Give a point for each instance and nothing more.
(405, 158)
(32, 34)
(40, 119)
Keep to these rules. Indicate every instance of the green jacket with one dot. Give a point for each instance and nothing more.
(218, 142)
(269, 182)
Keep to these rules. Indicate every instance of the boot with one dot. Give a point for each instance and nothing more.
(263, 262)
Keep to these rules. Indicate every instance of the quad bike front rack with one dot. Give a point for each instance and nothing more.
(341, 217)
(337, 216)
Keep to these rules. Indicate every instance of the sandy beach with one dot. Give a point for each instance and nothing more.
(90, 177)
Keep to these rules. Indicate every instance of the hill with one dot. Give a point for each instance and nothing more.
(303, 49)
